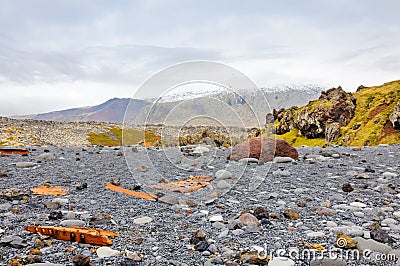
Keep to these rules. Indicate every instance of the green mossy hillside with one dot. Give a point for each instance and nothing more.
(370, 124)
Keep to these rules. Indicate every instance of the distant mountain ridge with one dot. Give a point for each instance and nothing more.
(114, 109)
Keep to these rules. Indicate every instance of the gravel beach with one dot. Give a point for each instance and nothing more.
(246, 211)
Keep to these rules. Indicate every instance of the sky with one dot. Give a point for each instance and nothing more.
(61, 54)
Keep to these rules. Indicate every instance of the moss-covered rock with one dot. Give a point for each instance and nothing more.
(334, 107)
(370, 116)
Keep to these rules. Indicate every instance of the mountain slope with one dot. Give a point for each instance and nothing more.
(370, 116)
(189, 104)
(112, 111)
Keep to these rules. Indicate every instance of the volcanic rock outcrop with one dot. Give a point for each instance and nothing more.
(321, 118)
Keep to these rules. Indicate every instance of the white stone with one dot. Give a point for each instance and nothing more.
(104, 252)
(143, 220)
(389, 175)
(25, 164)
(283, 160)
(358, 204)
(201, 150)
(331, 224)
(316, 234)
(222, 184)
(216, 218)
(248, 160)
(60, 200)
(205, 212)
(298, 191)
(396, 214)
(281, 261)
(222, 174)
(224, 233)
(388, 221)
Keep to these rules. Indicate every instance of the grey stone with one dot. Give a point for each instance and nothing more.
(372, 245)
(328, 262)
(45, 157)
(69, 223)
(222, 174)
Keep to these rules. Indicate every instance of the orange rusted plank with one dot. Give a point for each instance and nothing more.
(75, 234)
(130, 192)
(184, 186)
(55, 191)
(10, 151)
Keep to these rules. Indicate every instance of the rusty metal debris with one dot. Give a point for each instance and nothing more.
(130, 192)
(185, 186)
(9, 151)
(75, 234)
(54, 191)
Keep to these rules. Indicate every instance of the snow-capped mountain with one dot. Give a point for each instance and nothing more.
(198, 101)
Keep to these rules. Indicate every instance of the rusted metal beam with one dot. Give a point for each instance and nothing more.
(130, 192)
(10, 151)
(44, 190)
(185, 186)
(75, 234)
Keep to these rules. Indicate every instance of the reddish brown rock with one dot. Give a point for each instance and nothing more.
(248, 219)
(263, 149)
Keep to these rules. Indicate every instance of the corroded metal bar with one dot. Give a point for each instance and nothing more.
(75, 234)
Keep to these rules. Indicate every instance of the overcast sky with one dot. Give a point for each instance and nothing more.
(60, 54)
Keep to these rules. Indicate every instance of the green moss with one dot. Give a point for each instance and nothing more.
(116, 136)
(103, 139)
(368, 99)
(294, 138)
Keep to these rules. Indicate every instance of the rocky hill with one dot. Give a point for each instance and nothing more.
(370, 116)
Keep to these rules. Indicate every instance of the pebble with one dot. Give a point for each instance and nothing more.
(358, 204)
(281, 173)
(281, 261)
(216, 218)
(223, 174)
(69, 223)
(388, 221)
(248, 160)
(218, 225)
(143, 220)
(389, 175)
(104, 252)
(316, 234)
(45, 157)
(359, 214)
(372, 245)
(283, 160)
(25, 164)
(222, 184)
(328, 262)
(5, 206)
(224, 233)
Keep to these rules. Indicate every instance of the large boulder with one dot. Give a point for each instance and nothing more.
(395, 116)
(263, 149)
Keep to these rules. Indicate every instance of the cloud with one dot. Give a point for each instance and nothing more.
(117, 46)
